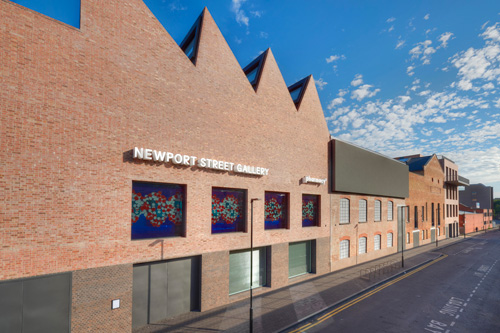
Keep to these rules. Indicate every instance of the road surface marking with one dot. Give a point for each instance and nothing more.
(364, 296)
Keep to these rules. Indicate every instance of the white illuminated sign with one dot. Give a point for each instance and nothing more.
(206, 163)
(308, 179)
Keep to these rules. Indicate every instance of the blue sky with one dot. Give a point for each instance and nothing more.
(398, 77)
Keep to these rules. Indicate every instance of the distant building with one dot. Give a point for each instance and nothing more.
(477, 196)
(452, 180)
(475, 219)
(426, 214)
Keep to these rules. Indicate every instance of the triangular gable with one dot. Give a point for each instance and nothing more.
(253, 71)
(191, 42)
(297, 90)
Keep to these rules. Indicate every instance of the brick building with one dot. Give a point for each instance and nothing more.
(476, 219)
(368, 193)
(130, 167)
(426, 200)
(452, 181)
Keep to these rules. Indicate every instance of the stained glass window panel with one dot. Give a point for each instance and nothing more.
(228, 210)
(157, 210)
(276, 210)
(310, 210)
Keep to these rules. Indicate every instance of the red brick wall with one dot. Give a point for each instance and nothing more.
(355, 229)
(426, 187)
(92, 293)
(75, 102)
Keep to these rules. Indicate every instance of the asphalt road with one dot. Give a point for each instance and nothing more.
(459, 292)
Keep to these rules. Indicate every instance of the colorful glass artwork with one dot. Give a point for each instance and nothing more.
(157, 210)
(228, 210)
(310, 205)
(275, 211)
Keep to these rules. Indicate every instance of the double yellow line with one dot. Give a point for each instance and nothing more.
(362, 297)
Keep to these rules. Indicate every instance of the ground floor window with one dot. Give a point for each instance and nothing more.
(299, 258)
(344, 249)
(377, 242)
(389, 239)
(239, 270)
(362, 245)
(408, 237)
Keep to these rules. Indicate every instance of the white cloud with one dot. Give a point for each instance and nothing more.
(320, 83)
(342, 92)
(391, 28)
(335, 57)
(256, 13)
(410, 71)
(426, 17)
(438, 119)
(263, 34)
(335, 102)
(444, 38)
(400, 44)
(358, 79)
(390, 19)
(241, 17)
(423, 51)
(363, 92)
(404, 99)
(488, 86)
(479, 64)
(174, 6)
(493, 33)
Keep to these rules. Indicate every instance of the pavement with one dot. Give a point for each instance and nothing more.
(277, 310)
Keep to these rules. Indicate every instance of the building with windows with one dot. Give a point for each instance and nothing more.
(426, 216)
(477, 196)
(368, 194)
(475, 219)
(452, 181)
(134, 168)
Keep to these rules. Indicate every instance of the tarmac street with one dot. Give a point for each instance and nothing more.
(458, 292)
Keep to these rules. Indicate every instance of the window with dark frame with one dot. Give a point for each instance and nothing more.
(158, 210)
(228, 210)
(416, 217)
(276, 210)
(310, 210)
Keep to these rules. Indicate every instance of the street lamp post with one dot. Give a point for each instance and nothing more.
(251, 263)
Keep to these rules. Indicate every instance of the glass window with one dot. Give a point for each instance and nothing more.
(157, 210)
(276, 210)
(408, 237)
(252, 74)
(378, 208)
(296, 93)
(390, 209)
(344, 211)
(299, 258)
(310, 210)
(362, 210)
(378, 239)
(239, 270)
(228, 210)
(362, 245)
(389, 239)
(344, 249)
(416, 216)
